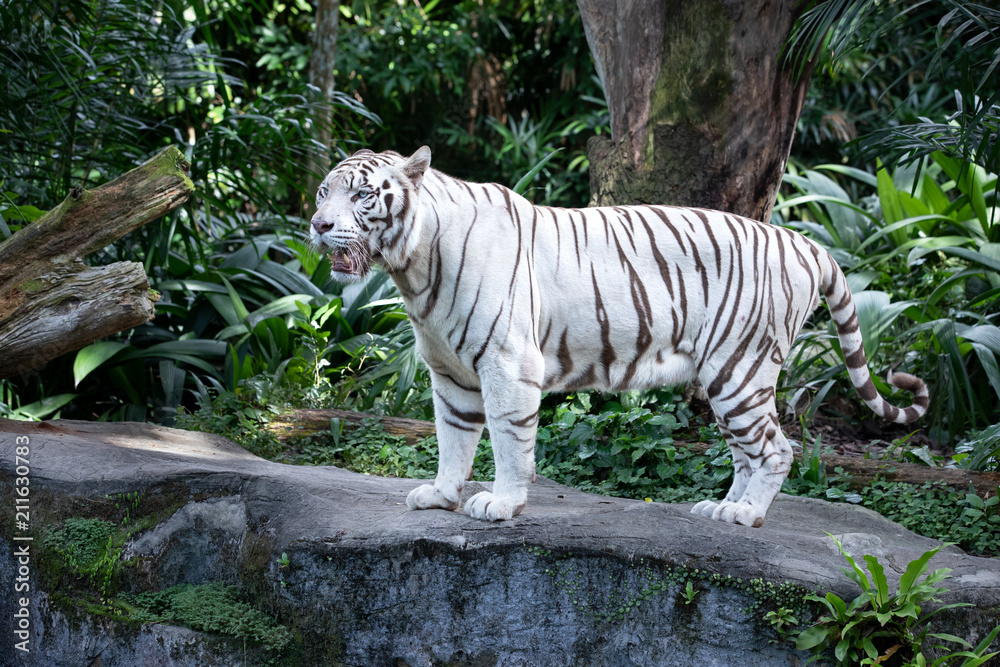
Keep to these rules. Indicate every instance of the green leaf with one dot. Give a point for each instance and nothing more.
(26, 212)
(869, 647)
(837, 605)
(914, 570)
(45, 407)
(524, 181)
(888, 197)
(973, 256)
(90, 358)
(987, 641)
(814, 636)
(190, 285)
(950, 638)
(879, 580)
(876, 314)
(840, 651)
(859, 575)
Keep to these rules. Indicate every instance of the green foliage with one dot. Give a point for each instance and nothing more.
(918, 244)
(528, 151)
(238, 417)
(877, 624)
(629, 450)
(939, 512)
(473, 94)
(88, 90)
(913, 77)
(916, 80)
(782, 620)
(213, 607)
(980, 450)
(931, 509)
(89, 550)
(81, 541)
(372, 451)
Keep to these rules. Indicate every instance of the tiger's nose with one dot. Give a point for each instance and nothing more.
(322, 226)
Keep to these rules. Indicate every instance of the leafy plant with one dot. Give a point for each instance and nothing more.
(921, 241)
(782, 620)
(951, 45)
(980, 450)
(90, 88)
(939, 512)
(372, 451)
(629, 450)
(528, 151)
(877, 624)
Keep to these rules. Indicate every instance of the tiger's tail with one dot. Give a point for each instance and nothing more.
(841, 302)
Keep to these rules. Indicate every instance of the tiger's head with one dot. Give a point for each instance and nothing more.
(366, 211)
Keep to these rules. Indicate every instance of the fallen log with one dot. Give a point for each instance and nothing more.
(51, 303)
(303, 423)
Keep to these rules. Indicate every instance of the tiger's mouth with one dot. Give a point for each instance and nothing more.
(348, 261)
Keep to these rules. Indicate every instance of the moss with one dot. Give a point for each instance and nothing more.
(685, 584)
(79, 557)
(217, 608)
(171, 164)
(79, 552)
(33, 286)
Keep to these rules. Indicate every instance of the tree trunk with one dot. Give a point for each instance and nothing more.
(50, 302)
(702, 112)
(303, 423)
(321, 63)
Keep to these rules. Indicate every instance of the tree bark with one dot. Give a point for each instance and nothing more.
(302, 423)
(702, 113)
(321, 63)
(50, 302)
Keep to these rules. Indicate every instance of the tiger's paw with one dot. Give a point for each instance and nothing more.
(739, 512)
(490, 507)
(705, 508)
(428, 496)
(730, 512)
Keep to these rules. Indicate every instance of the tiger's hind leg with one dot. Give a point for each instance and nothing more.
(743, 471)
(761, 455)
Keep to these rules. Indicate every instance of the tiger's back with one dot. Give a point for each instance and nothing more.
(670, 305)
(508, 299)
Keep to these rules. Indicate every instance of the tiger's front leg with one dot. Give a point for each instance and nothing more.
(459, 420)
(511, 396)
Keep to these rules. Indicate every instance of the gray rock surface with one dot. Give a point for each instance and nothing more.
(371, 583)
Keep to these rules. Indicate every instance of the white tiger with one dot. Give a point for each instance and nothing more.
(509, 299)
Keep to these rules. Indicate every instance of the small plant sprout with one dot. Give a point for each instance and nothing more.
(782, 620)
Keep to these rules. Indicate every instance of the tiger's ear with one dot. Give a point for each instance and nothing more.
(417, 164)
(363, 151)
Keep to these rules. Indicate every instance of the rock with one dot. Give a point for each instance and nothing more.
(358, 579)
